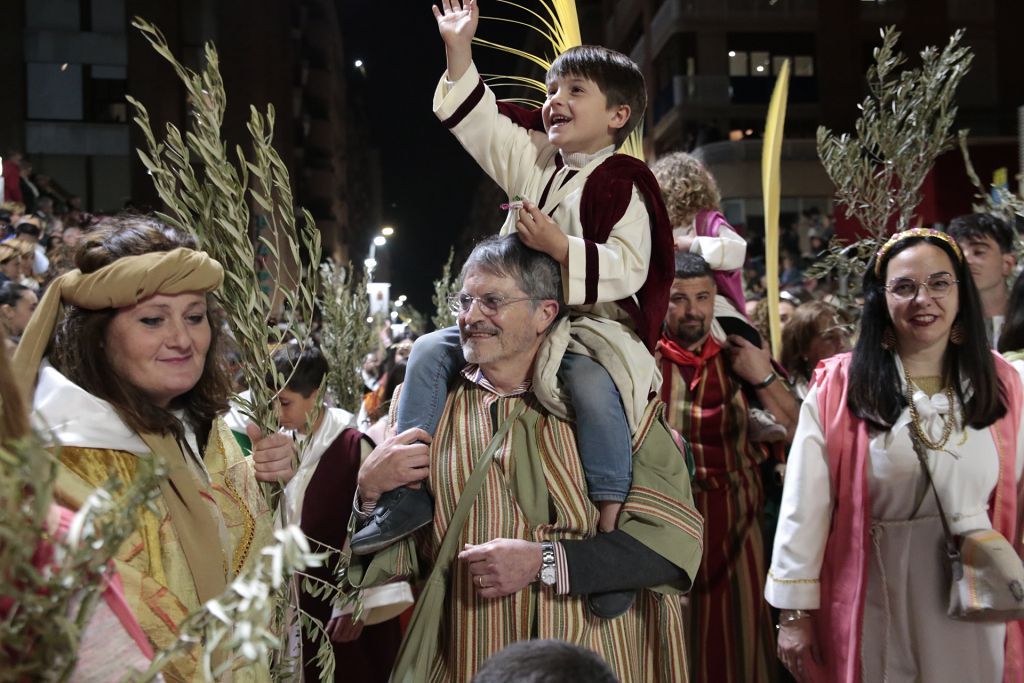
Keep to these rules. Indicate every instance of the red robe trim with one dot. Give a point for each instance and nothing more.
(606, 195)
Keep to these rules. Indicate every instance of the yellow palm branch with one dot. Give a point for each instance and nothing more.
(559, 24)
(771, 189)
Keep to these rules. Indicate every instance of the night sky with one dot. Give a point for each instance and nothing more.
(428, 180)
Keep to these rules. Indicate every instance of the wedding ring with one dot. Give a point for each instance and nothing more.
(480, 582)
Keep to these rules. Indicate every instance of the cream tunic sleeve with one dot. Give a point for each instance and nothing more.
(804, 518)
(728, 251)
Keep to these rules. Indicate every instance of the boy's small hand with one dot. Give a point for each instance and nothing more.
(457, 22)
(539, 232)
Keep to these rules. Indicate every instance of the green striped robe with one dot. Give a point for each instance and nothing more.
(535, 490)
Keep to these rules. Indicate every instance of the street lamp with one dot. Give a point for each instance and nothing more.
(379, 240)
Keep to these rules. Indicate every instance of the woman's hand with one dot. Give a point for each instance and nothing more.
(273, 456)
(799, 651)
(502, 566)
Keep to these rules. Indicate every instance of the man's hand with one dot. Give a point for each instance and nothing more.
(398, 461)
(273, 456)
(750, 363)
(457, 22)
(343, 630)
(539, 232)
(503, 566)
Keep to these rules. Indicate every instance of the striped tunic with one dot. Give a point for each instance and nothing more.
(729, 631)
(535, 490)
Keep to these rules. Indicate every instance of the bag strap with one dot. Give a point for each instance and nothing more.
(952, 549)
(446, 553)
(416, 654)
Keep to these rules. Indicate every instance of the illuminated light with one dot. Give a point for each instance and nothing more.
(732, 53)
(64, 66)
(359, 64)
(387, 231)
(760, 68)
(370, 263)
(379, 240)
(370, 319)
(399, 303)
(750, 131)
(403, 298)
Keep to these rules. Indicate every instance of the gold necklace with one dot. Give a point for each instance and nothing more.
(948, 422)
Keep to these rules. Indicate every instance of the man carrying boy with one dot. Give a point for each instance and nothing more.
(601, 217)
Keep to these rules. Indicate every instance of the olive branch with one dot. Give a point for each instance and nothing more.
(207, 193)
(904, 125)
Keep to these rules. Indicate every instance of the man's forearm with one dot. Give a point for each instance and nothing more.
(617, 561)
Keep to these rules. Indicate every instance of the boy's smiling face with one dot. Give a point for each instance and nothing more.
(577, 116)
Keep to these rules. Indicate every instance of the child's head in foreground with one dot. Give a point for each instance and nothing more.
(596, 97)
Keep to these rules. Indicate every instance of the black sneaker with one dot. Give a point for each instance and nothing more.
(398, 514)
(611, 604)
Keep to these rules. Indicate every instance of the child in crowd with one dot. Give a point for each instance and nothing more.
(692, 199)
(600, 215)
(330, 459)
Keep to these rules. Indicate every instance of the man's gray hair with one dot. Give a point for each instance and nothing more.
(538, 275)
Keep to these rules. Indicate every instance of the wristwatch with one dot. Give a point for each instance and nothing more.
(547, 574)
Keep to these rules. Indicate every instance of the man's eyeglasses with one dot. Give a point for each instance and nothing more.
(906, 288)
(489, 304)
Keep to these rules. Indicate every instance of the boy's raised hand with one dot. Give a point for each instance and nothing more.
(538, 231)
(457, 22)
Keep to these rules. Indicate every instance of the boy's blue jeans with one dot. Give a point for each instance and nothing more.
(602, 433)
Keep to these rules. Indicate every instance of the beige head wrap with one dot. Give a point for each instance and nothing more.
(126, 282)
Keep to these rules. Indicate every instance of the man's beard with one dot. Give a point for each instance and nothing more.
(691, 334)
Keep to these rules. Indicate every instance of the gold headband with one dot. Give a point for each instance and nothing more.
(124, 282)
(915, 232)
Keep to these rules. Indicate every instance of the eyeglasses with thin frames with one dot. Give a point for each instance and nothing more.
(905, 288)
(489, 304)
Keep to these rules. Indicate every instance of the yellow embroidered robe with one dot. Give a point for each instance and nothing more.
(157, 581)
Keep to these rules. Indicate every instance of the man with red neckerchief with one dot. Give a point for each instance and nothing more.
(707, 384)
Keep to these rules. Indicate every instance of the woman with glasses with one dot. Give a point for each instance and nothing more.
(814, 332)
(857, 570)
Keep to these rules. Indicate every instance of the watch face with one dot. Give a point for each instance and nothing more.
(547, 576)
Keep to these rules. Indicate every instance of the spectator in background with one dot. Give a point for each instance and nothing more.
(814, 332)
(17, 303)
(12, 177)
(10, 262)
(29, 191)
(987, 243)
(791, 275)
(544, 661)
(30, 231)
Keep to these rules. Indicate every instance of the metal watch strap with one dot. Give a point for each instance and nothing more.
(547, 574)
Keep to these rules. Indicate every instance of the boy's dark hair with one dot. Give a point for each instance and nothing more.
(304, 369)
(544, 661)
(981, 225)
(618, 77)
(11, 293)
(689, 265)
